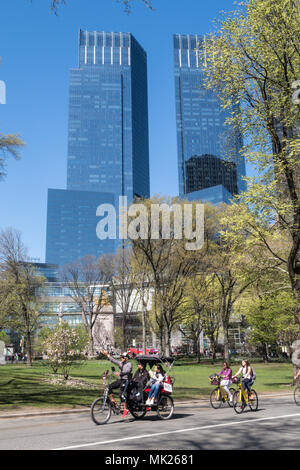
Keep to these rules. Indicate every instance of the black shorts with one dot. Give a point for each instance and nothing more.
(121, 384)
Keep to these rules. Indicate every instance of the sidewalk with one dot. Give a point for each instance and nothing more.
(32, 412)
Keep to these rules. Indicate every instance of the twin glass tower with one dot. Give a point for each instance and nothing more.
(210, 166)
(108, 142)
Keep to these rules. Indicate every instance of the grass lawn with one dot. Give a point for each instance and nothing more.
(22, 386)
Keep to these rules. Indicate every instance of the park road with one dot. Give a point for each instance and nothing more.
(275, 425)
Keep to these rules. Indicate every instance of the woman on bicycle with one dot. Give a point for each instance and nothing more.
(226, 372)
(247, 381)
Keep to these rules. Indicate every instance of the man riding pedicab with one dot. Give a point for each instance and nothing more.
(122, 383)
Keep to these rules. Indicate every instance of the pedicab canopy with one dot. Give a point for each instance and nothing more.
(154, 359)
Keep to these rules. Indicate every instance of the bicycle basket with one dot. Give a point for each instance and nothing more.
(214, 379)
(236, 380)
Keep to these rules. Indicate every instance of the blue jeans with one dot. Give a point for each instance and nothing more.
(246, 384)
(154, 390)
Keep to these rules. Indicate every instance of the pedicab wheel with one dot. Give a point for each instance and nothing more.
(230, 403)
(238, 402)
(216, 398)
(253, 402)
(297, 396)
(137, 412)
(100, 411)
(165, 407)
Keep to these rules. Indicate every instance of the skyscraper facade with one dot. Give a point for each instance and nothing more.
(108, 143)
(210, 166)
(108, 147)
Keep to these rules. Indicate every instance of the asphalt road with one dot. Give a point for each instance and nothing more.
(275, 425)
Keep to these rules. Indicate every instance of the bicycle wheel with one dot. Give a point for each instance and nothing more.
(137, 411)
(297, 396)
(100, 411)
(230, 403)
(216, 398)
(253, 402)
(165, 407)
(238, 402)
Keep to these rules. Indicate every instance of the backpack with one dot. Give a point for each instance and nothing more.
(253, 374)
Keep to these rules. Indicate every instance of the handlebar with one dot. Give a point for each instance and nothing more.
(107, 375)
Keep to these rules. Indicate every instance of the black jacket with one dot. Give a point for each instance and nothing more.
(141, 377)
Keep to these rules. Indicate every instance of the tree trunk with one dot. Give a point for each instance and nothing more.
(29, 348)
(198, 349)
(144, 329)
(91, 345)
(168, 343)
(265, 352)
(226, 342)
(213, 348)
(124, 317)
(214, 354)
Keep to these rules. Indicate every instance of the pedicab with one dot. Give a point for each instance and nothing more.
(103, 408)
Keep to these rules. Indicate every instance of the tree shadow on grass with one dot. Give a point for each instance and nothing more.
(45, 397)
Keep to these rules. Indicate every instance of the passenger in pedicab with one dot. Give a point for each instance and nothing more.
(139, 382)
(157, 377)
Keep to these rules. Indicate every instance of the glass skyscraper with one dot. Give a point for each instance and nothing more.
(210, 166)
(108, 147)
(108, 143)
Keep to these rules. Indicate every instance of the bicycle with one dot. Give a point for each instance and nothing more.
(219, 395)
(241, 398)
(297, 395)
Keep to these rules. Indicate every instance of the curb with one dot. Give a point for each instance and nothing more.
(65, 412)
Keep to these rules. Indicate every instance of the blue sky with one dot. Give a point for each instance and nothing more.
(37, 50)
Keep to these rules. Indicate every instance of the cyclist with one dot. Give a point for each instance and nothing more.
(226, 372)
(125, 375)
(247, 372)
(297, 375)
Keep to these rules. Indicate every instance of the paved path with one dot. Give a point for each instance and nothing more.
(276, 425)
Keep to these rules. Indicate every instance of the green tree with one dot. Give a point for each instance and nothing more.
(168, 260)
(252, 61)
(201, 312)
(270, 318)
(19, 283)
(4, 337)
